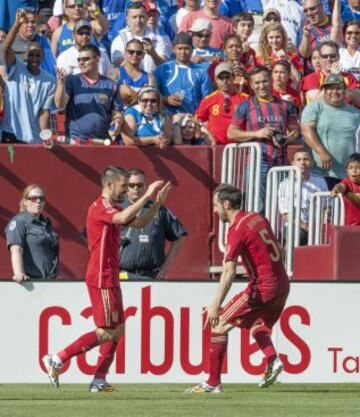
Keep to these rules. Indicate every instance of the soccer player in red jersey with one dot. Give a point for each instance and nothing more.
(259, 306)
(102, 276)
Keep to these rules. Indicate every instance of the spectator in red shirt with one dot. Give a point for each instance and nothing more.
(280, 75)
(217, 108)
(273, 47)
(221, 26)
(329, 64)
(243, 24)
(349, 187)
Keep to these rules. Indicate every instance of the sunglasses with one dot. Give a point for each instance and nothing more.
(83, 33)
(311, 9)
(352, 33)
(202, 35)
(136, 185)
(272, 19)
(45, 32)
(149, 100)
(327, 56)
(134, 52)
(227, 105)
(34, 198)
(224, 77)
(73, 6)
(84, 59)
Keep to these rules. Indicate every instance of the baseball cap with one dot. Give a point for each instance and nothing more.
(182, 38)
(201, 24)
(81, 24)
(271, 11)
(333, 79)
(151, 7)
(224, 67)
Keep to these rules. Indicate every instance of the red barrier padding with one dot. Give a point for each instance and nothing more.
(337, 261)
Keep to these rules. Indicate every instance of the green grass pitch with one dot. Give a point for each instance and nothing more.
(169, 400)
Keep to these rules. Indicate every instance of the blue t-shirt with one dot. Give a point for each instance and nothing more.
(88, 113)
(251, 6)
(347, 13)
(230, 8)
(125, 79)
(190, 80)
(25, 95)
(146, 126)
(66, 39)
(208, 52)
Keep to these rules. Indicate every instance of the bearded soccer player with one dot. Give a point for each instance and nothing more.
(259, 306)
(102, 277)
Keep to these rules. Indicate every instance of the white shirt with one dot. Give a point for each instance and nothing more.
(147, 64)
(347, 61)
(312, 185)
(291, 14)
(68, 60)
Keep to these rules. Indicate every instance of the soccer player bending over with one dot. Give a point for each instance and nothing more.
(259, 306)
(102, 276)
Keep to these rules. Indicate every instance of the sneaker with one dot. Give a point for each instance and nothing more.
(204, 387)
(53, 369)
(102, 387)
(271, 373)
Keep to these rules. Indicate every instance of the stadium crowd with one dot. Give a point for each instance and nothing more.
(162, 73)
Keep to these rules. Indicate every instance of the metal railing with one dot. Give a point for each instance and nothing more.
(286, 228)
(324, 212)
(240, 167)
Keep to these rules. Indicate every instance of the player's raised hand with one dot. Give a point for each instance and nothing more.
(163, 193)
(61, 75)
(153, 187)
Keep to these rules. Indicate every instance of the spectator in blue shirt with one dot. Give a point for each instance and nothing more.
(350, 10)
(91, 100)
(182, 84)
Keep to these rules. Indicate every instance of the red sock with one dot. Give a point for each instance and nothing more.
(218, 350)
(83, 344)
(106, 356)
(263, 339)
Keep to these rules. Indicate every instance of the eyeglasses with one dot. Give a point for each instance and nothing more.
(73, 6)
(202, 35)
(45, 32)
(349, 33)
(227, 105)
(136, 184)
(84, 59)
(149, 100)
(34, 198)
(272, 19)
(328, 56)
(135, 52)
(311, 9)
(83, 33)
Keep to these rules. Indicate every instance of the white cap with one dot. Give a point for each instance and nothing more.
(201, 24)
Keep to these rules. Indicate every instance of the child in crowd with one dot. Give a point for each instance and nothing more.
(188, 131)
(243, 24)
(349, 187)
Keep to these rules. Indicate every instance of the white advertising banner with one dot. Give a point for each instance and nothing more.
(318, 335)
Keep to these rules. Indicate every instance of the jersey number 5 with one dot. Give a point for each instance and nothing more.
(273, 247)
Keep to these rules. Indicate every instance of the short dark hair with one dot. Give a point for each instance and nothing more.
(350, 23)
(283, 63)
(135, 41)
(113, 173)
(302, 150)
(92, 48)
(230, 37)
(137, 171)
(137, 5)
(329, 43)
(354, 157)
(256, 70)
(227, 192)
(243, 17)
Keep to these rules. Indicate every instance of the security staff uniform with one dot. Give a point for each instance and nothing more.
(39, 242)
(142, 251)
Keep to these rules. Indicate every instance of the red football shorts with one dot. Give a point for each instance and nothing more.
(107, 306)
(245, 311)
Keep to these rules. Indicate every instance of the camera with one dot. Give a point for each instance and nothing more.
(279, 138)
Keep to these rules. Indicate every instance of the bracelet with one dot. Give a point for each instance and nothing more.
(96, 13)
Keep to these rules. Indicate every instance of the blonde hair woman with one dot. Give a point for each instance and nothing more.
(32, 242)
(274, 47)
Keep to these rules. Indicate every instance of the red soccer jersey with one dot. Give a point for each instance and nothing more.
(352, 211)
(291, 92)
(218, 113)
(104, 243)
(293, 58)
(250, 236)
